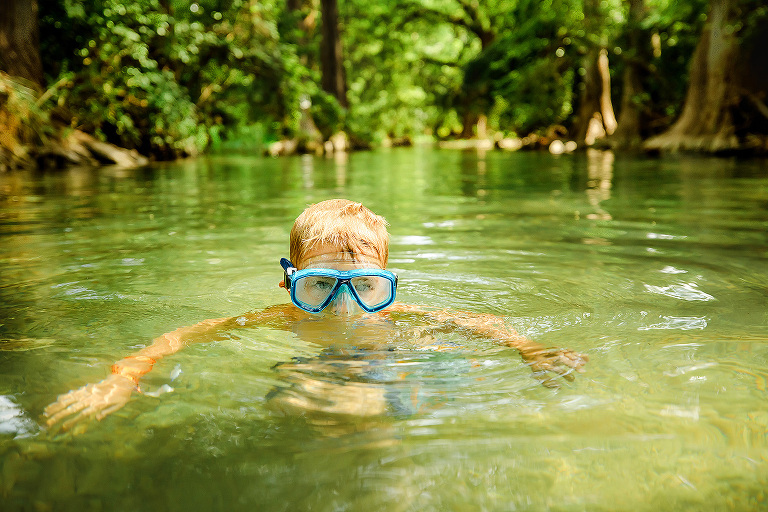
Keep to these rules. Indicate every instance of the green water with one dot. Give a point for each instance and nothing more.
(655, 268)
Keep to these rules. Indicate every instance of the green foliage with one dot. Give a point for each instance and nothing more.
(166, 78)
(119, 89)
(419, 66)
(386, 72)
(175, 77)
(24, 120)
(526, 76)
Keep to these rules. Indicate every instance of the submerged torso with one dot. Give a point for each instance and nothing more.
(363, 367)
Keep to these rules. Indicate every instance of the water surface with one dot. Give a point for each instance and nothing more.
(655, 268)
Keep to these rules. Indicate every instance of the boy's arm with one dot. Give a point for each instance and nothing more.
(104, 397)
(542, 360)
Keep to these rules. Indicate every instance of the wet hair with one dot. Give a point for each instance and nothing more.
(350, 226)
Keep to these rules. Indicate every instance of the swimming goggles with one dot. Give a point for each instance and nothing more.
(312, 289)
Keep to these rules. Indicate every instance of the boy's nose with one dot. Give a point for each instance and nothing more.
(344, 304)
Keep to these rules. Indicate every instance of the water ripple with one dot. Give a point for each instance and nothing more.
(14, 420)
(685, 291)
(675, 322)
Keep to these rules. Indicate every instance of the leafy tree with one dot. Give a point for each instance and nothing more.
(398, 69)
(657, 43)
(525, 77)
(176, 77)
(168, 77)
(724, 108)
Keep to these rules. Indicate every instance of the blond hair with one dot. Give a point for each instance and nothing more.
(350, 226)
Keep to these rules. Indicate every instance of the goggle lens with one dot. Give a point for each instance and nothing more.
(313, 290)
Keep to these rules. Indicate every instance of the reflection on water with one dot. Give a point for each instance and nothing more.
(600, 172)
(362, 384)
(654, 267)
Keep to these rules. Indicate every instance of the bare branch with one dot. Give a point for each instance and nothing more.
(759, 105)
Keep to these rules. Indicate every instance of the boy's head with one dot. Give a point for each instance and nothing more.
(339, 225)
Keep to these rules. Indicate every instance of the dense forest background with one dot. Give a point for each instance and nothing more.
(172, 78)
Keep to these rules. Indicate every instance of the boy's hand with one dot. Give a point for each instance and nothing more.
(90, 401)
(563, 362)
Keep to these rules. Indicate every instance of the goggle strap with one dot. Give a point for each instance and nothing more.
(286, 264)
(288, 270)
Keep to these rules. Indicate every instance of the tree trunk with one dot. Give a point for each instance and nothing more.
(628, 134)
(19, 40)
(720, 87)
(334, 79)
(469, 121)
(606, 105)
(595, 117)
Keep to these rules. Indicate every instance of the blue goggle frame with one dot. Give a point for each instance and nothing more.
(343, 278)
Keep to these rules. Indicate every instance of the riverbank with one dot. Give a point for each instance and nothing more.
(35, 135)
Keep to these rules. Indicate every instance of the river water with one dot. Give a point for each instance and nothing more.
(655, 268)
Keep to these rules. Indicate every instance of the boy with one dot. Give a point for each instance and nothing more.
(339, 286)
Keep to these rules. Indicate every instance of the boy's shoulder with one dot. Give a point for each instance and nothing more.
(278, 316)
